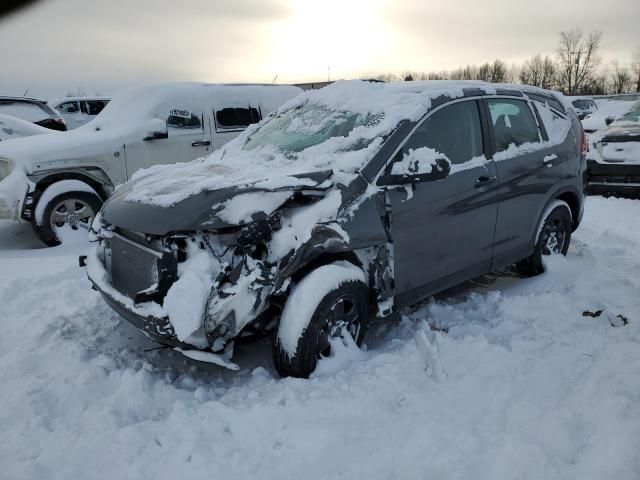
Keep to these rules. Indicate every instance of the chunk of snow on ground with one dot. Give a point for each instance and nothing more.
(344, 353)
(208, 357)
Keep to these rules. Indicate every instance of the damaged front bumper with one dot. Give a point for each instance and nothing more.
(235, 299)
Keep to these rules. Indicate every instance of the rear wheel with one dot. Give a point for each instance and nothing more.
(343, 310)
(65, 215)
(553, 238)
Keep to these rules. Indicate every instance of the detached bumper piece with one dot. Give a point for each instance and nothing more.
(613, 179)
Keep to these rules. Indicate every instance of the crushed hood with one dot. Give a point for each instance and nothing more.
(210, 209)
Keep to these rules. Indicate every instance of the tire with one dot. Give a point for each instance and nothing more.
(47, 231)
(350, 297)
(553, 237)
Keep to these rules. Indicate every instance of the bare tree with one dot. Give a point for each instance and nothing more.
(498, 72)
(635, 68)
(577, 56)
(620, 79)
(539, 72)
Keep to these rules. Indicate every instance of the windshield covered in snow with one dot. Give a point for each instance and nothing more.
(304, 126)
(632, 115)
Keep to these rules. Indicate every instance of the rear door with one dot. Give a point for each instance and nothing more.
(188, 137)
(528, 167)
(72, 113)
(442, 230)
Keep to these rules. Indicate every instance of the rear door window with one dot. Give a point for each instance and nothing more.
(234, 118)
(94, 107)
(513, 123)
(68, 107)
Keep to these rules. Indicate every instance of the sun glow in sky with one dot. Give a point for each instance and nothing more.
(331, 37)
(59, 46)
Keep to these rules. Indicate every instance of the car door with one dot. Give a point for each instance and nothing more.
(188, 136)
(442, 230)
(70, 111)
(528, 167)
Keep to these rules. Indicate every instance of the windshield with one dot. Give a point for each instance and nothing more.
(632, 115)
(304, 126)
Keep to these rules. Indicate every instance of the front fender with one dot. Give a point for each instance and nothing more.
(325, 240)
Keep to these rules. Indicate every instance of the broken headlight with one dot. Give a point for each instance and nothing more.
(258, 232)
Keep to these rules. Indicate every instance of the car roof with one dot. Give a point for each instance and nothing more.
(22, 99)
(411, 100)
(75, 99)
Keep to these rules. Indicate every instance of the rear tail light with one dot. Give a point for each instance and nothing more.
(584, 147)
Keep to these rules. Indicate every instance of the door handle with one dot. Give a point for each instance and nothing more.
(484, 180)
(548, 160)
(202, 143)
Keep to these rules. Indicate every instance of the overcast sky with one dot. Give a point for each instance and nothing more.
(106, 45)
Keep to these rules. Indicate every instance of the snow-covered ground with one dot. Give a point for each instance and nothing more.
(510, 381)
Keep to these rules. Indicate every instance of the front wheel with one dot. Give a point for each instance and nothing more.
(65, 214)
(330, 302)
(553, 238)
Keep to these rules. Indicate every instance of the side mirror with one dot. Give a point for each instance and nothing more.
(402, 172)
(609, 120)
(154, 129)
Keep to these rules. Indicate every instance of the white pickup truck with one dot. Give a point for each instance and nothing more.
(58, 182)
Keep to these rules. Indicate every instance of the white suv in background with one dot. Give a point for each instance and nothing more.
(77, 111)
(58, 182)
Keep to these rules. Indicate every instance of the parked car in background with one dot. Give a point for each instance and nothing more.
(32, 110)
(609, 110)
(583, 106)
(13, 127)
(357, 199)
(77, 111)
(58, 182)
(614, 159)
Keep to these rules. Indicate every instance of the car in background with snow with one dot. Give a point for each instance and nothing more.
(613, 166)
(77, 111)
(58, 182)
(32, 110)
(352, 201)
(583, 106)
(13, 127)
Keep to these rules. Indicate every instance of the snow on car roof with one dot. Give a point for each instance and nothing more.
(382, 107)
(125, 115)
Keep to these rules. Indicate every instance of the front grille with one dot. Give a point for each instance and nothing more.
(134, 267)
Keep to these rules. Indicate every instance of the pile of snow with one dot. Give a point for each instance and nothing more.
(513, 382)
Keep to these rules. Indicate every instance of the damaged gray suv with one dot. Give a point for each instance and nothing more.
(349, 202)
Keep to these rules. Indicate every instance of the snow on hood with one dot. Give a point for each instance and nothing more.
(228, 205)
(379, 108)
